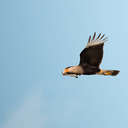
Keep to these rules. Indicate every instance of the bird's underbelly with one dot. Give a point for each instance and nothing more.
(90, 70)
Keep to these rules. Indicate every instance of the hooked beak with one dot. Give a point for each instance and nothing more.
(65, 72)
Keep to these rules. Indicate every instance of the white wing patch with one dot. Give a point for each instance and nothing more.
(99, 40)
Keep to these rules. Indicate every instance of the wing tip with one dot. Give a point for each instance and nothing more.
(89, 39)
(99, 40)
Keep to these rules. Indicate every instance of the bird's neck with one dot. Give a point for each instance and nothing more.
(76, 70)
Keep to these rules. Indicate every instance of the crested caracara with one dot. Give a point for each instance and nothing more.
(90, 59)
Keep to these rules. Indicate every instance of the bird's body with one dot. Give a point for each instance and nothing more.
(90, 59)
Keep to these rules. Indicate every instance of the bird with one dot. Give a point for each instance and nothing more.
(90, 59)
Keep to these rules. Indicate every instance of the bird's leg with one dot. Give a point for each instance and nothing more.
(74, 75)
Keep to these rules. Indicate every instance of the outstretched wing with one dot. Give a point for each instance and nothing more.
(93, 53)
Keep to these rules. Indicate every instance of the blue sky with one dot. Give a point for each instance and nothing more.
(38, 39)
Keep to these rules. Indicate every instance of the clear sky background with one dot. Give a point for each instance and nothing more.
(38, 39)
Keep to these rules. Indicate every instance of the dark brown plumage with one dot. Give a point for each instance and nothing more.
(91, 57)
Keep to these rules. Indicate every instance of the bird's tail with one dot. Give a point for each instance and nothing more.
(108, 72)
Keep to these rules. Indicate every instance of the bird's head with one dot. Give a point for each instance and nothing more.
(68, 71)
(72, 71)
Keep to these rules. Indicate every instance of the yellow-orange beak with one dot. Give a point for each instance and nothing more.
(65, 71)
